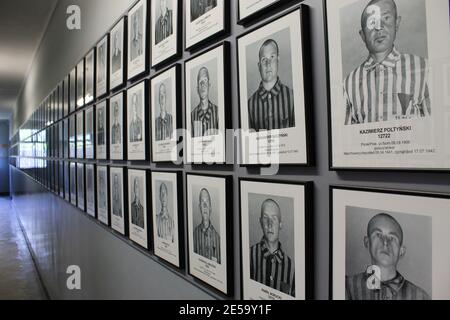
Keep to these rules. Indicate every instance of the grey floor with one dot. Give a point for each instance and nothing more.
(18, 277)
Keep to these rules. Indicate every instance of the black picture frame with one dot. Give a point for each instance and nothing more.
(308, 231)
(178, 106)
(124, 171)
(124, 126)
(106, 129)
(179, 35)
(80, 84)
(227, 97)
(214, 37)
(307, 85)
(229, 220)
(81, 202)
(113, 87)
(107, 195)
(101, 93)
(395, 192)
(80, 145)
(88, 100)
(180, 216)
(91, 213)
(72, 93)
(91, 109)
(73, 183)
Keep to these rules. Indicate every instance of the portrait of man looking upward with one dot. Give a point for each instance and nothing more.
(388, 85)
(137, 210)
(136, 35)
(164, 220)
(116, 136)
(136, 122)
(164, 122)
(205, 117)
(117, 200)
(269, 264)
(206, 238)
(272, 106)
(164, 24)
(385, 244)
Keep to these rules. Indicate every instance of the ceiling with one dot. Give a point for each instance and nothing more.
(22, 25)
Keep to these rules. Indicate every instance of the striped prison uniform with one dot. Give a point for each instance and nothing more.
(207, 243)
(275, 270)
(166, 226)
(205, 123)
(164, 27)
(273, 109)
(164, 128)
(396, 88)
(399, 288)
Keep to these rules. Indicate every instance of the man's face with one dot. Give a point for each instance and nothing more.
(379, 26)
(163, 6)
(203, 85)
(268, 63)
(116, 113)
(205, 206)
(100, 120)
(271, 222)
(116, 185)
(162, 98)
(384, 242)
(163, 196)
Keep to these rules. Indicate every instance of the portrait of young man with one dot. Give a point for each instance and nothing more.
(116, 64)
(101, 127)
(164, 122)
(137, 209)
(164, 220)
(135, 131)
(117, 209)
(116, 129)
(136, 41)
(164, 23)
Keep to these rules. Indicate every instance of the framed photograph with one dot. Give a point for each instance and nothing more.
(72, 90)
(210, 225)
(389, 245)
(65, 96)
(60, 140)
(72, 137)
(116, 130)
(251, 9)
(101, 84)
(65, 153)
(80, 84)
(165, 102)
(61, 179)
(73, 183)
(167, 213)
(207, 95)
(138, 51)
(119, 221)
(81, 187)
(272, 95)
(387, 108)
(138, 131)
(91, 204)
(89, 137)
(166, 30)
(80, 134)
(205, 20)
(137, 207)
(89, 93)
(101, 128)
(67, 176)
(103, 195)
(276, 243)
(117, 55)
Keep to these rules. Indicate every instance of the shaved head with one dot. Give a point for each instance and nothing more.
(366, 13)
(272, 206)
(385, 219)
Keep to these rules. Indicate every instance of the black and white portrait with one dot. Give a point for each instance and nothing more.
(205, 106)
(89, 138)
(272, 97)
(80, 84)
(118, 214)
(136, 122)
(102, 67)
(102, 195)
(116, 55)
(137, 200)
(164, 99)
(207, 229)
(165, 216)
(274, 241)
(137, 39)
(72, 90)
(73, 183)
(72, 137)
(90, 77)
(66, 181)
(65, 96)
(381, 76)
(81, 187)
(80, 134)
(116, 127)
(204, 19)
(61, 181)
(101, 129)
(165, 41)
(389, 245)
(90, 189)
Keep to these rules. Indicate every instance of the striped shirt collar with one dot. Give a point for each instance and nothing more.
(390, 61)
(164, 18)
(392, 287)
(205, 114)
(275, 91)
(278, 255)
(208, 231)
